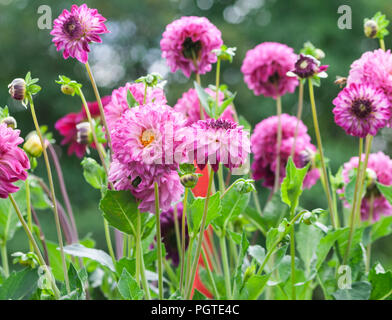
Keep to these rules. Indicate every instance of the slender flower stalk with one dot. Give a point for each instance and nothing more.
(159, 241)
(63, 189)
(369, 246)
(354, 204)
(4, 258)
(200, 240)
(226, 267)
(28, 209)
(292, 254)
(53, 194)
(101, 110)
(35, 246)
(299, 115)
(382, 44)
(322, 161)
(210, 275)
(177, 230)
(278, 144)
(41, 237)
(185, 202)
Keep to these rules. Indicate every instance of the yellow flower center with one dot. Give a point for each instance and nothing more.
(147, 137)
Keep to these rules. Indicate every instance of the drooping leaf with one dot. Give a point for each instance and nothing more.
(128, 287)
(19, 285)
(93, 173)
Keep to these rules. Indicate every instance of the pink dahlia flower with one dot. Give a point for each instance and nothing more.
(13, 160)
(219, 141)
(189, 106)
(265, 69)
(150, 134)
(381, 165)
(374, 68)
(264, 140)
(119, 101)
(139, 178)
(188, 39)
(74, 30)
(361, 110)
(66, 126)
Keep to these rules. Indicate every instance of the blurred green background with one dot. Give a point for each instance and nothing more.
(132, 49)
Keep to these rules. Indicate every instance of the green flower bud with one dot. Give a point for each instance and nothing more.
(245, 186)
(10, 122)
(189, 180)
(67, 89)
(249, 272)
(17, 89)
(33, 145)
(370, 29)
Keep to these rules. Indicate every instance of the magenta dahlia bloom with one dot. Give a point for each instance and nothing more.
(189, 106)
(74, 30)
(381, 165)
(139, 178)
(265, 69)
(264, 140)
(361, 110)
(218, 141)
(66, 126)
(13, 160)
(150, 134)
(119, 102)
(308, 66)
(188, 39)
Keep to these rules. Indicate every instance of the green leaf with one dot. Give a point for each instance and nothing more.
(238, 271)
(120, 210)
(75, 284)
(19, 285)
(326, 244)
(258, 253)
(350, 189)
(255, 285)
(291, 188)
(381, 228)
(203, 97)
(100, 256)
(128, 287)
(386, 191)
(359, 291)
(233, 204)
(255, 218)
(93, 173)
(274, 211)
(243, 122)
(307, 239)
(196, 209)
(224, 105)
(197, 295)
(131, 100)
(381, 281)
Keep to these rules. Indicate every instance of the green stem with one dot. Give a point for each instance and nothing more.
(299, 115)
(28, 209)
(41, 260)
(109, 240)
(278, 144)
(217, 79)
(159, 241)
(369, 247)
(226, 268)
(143, 274)
(145, 94)
(100, 106)
(51, 185)
(353, 208)
(292, 254)
(183, 219)
(220, 178)
(4, 258)
(382, 44)
(177, 231)
(320, 147)
(210, 275)
(201, 235)
(170, 273)
(188, 265)
(138, 236)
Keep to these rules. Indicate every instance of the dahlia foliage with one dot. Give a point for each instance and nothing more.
(195, 202)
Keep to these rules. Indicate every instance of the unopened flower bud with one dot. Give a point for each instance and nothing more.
(370, 29)
(83, 133)
(10, 122)
(17, 89)
(189, 180)
(249, 272)
(245, 186)
(67, 89)
(33, 145)
(306, 218)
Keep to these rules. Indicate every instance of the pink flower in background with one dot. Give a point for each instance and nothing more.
(219, 141)
(66, 126)
(381, 165)
(119, 101)
(308, 66)
(150, 134)
(374, 68)
(13, 160)
(361, 110)
(139, 178)
(264, 140)
(189, 106)
(74, 30)
(190, 38)
(265, 69)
